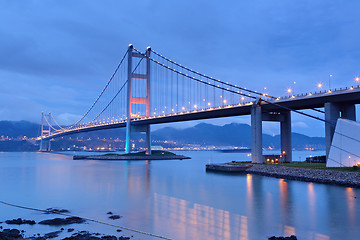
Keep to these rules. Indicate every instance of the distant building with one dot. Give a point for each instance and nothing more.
(157, 148)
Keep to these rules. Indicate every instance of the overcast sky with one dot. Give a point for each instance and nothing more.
(56, 56)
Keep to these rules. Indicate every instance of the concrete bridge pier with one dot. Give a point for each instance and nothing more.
(257, 117)
(138, 128)
(45, 146)
(333, 111)
(256, 134)
(285, 135)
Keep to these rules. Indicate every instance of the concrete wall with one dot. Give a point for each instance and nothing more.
(345, 146)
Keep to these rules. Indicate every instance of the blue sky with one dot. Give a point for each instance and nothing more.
(57, 55)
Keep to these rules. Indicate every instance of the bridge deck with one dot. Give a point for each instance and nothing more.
(300, 102)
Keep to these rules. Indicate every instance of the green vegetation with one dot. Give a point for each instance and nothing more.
(319, 166)
(143, 153)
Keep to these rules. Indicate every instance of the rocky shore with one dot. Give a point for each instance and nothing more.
(349, 179)
(60, 225)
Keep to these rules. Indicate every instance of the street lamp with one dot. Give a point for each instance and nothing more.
(357, 79)
(330, 76)
(294, 88)
(289, 90)
(319, 85)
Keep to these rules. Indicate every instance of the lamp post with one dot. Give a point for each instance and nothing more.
(330, 76)
(294, 88)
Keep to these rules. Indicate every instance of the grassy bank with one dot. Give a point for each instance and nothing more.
(320, 166)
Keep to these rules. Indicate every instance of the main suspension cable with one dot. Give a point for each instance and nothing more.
(227, 89)
(102, 92)
(211, 78)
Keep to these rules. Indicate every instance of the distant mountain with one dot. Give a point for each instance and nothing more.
(233, 134)
(207, 134)
(14, 129)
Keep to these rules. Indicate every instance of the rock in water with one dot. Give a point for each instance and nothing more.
(20, 221)
(9, 234)
(292, 237)
(52, 235)
(62, 221)
(113, 217)
(89, 236)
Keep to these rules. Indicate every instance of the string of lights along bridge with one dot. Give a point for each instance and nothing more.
(148, 88)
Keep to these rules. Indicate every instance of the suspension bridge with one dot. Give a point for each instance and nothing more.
(148, 88)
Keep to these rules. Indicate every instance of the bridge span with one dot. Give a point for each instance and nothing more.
(181, 94)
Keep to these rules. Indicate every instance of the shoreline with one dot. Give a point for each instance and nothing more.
(347, 179)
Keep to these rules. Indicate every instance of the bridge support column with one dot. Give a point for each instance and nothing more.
(139, 128)
(256, 134)
(148, 140)
(348, 111)
(285, 131)
(285, 134)
(332, 112)
(128, 137)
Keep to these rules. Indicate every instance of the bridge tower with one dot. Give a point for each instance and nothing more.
(45, 131)
(136, 99)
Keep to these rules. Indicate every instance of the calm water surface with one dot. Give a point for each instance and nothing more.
(176, 199)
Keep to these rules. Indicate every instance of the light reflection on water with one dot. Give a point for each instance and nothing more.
(178, 199)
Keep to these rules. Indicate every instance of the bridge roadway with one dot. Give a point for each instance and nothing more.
(299, 102)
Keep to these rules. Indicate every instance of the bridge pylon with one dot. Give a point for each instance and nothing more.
(137, 99)
(45, 131)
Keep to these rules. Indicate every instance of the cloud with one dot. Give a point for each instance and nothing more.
(299, 125)
(67, 118)
(58, 55)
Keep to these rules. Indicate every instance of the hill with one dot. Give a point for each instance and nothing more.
(204, 134)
